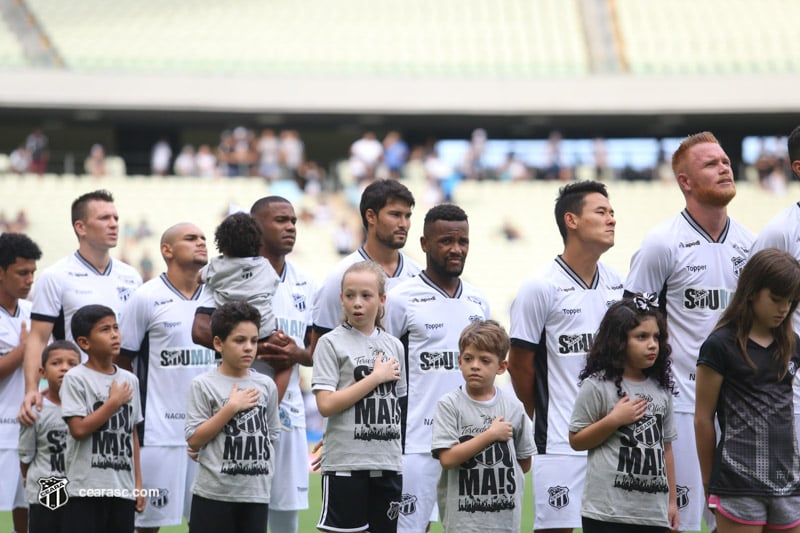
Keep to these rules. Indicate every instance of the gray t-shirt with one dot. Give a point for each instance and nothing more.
(104, 460)
(42, 446)
(626, 476)
(365, 436)
(244, 279)
(238, 463)
(485, 492)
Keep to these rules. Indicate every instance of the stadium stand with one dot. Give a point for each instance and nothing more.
(11, 53)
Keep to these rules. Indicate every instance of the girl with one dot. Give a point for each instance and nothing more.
(357, 381)
(623, 416)
(744, 377)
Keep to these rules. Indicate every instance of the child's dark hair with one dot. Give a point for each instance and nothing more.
(238, 236)
(59, 345)
(609, 350)
(226, 317)
(486, 336)
(17, 245)
(779, 272)
(86, 317)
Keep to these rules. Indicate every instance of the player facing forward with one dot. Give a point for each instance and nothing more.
(553, 321)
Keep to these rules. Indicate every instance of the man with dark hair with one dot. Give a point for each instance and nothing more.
(427, 313)
(781, 232)
(156, 334)
(386, 214)
(291, 304)
(553, 319)
(692, 261)
(88, 276)
(18, 256)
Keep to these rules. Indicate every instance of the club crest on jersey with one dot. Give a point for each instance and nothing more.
(407, 505)
(683, 496)
(558, 497)
(299, 301)
(647, 432)
(738, 264)
(53, 492)
(160, 500)
(123, 293)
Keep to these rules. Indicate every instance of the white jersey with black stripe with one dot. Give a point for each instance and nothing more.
(12, 387)
(429, 323)
(556, 315)
(695, 278)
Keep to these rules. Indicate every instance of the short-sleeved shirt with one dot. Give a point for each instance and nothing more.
(104, 459)
(485, 492)
(556, 315)
(365, 436)
(157, 328)
(72, 282)
(429, 322)
(12, 387)
(327, 310)
(695, 278)
(292, 308)
(626, 476)
(782, 232)
(42, 446)
(237, 465)
(757, 452)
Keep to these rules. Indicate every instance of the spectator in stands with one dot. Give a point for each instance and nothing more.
(160, 157)
(20, 160)
(37, 145)
(244, 154)
(206, 162)
(95, 164)
(473, 166)
(513, 169)
(292, 152)
(310, 177)
(268, 148)
(395, 154)
(225, 154)
(365, 155)
(185, 164)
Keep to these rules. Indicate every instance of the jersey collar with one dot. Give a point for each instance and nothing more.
(428, 281)
(170, 286)
(576, 278)
(699, 229)
(397, 271)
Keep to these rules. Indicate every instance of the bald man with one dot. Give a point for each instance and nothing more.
(157, 343)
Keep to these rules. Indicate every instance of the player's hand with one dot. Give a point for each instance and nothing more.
(501, 430)
(316, 463)
(23, 335)
(194, 455)
(628, 411)
(120, 393)
(244, 399)
(673, 516)
(141, 502)
(386, 369)
(29, 410)
(278, 350)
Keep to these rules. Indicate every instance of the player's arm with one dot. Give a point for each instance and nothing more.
(201, 328)
(14, 358)
(499, 430)
(520, 367)
(316, 333)
(709, 383)
(525, 464)
(281, 380)
(34, 346)
(669, 461)
(333, 402)
(80, 427)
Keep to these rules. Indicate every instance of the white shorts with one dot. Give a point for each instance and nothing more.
(289, 490)
(170, 470)
(12, 493)
(558, 490)
(689, 480)
(420, 477)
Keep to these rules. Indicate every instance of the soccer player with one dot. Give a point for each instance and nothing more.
(692, 261)
(553, 320)
(18, 256)
(157, 341)
(276, 218)
(428, 313)
(386, 214)
(781, 232)
(88, 276)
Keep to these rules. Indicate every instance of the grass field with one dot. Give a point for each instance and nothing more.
(308, 518)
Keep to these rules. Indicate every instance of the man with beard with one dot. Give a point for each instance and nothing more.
(427, 313)
(291, 304)
(157, 342)
(553, 320)
(386, 214)
(692, 262)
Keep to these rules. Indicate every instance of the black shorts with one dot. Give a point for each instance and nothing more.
(215, 516)
(596, 526)
(42, 519)
(99, 515)
(361, 500)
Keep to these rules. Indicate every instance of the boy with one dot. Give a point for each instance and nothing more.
(482, 438)
(232, 420)
(42, 445)
(100, 403)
